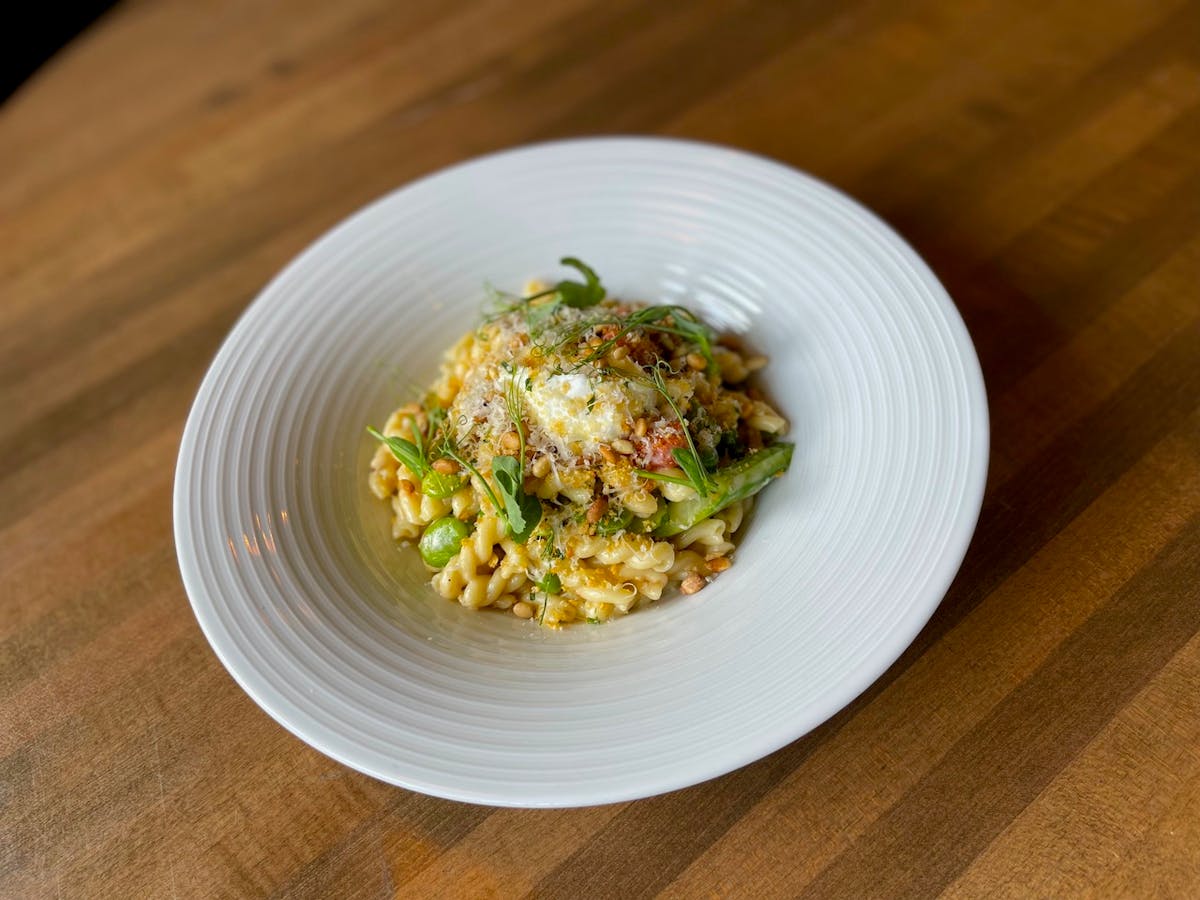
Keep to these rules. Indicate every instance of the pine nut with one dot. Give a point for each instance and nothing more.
(540, 467)
(608, 453)
(597, 510)
(523, 610)
(692, 583)
(444, 466)
(719, 563)
(622, 446)
(697, 362)
(510, 440)
(640, 426)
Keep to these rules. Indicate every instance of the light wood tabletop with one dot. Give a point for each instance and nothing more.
(1042, 735)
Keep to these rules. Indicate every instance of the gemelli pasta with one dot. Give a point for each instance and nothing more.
(579, 455)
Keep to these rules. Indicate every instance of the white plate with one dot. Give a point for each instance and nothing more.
(333, 630)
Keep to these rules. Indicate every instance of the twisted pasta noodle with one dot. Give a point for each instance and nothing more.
(456, 366)
(736, 368)
(635, 551)
(734, 514)
(386, 471)
(400, 422)
(676, 492)
(641, 503)
(686, 562)
(709, 534)
(628, 488)
(476, 576)
(414, 511)
(464, 503)
(765, 419)
(590, 586)
(384, 465)
(650, 584)
(574, 484)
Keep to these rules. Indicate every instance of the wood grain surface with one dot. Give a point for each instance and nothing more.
(1042, 735)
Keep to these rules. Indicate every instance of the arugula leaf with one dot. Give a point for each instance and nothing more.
(521, 510)
(574, 294)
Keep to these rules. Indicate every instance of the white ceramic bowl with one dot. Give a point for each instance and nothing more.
(333, 629)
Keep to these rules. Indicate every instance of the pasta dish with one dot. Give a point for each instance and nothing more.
(579, 455)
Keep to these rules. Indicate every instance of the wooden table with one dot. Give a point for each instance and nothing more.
(1040, 738)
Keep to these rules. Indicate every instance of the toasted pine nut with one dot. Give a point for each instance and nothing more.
(640, 426)
(622, 446)
(719, 563)
(510, 440)
(594, 342)
(540, 467)
(692, 583)
(697, 362)
(619, 352)
(597, 510)
(523, 610)
(754, 363)
(608, 453)
(444, 466)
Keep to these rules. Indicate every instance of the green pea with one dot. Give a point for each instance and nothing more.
(440, 486)
(441, 540)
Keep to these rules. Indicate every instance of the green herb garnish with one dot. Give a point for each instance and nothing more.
(522, 511)
(417, 453)
(406, 451)
(550, 584)
(689, 459)
(574, 294)
(683, 323)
